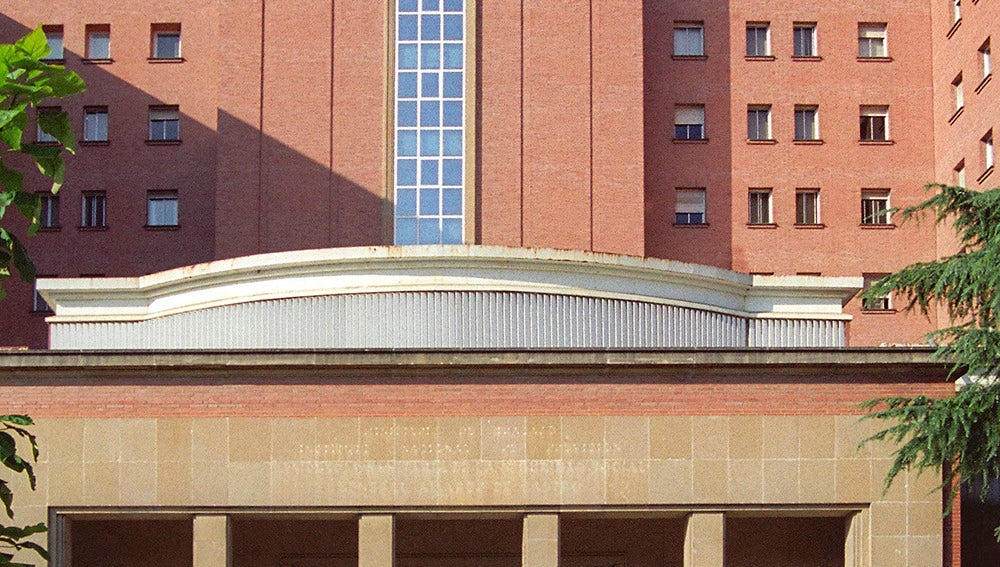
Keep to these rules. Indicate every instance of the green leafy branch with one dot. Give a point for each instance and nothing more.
(13, 538)
(25, 82)
(958, 436)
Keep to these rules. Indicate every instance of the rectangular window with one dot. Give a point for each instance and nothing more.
(956, 10)
(161, 208)
(871, 40)
(804, 37)
(38, 303)
(957, 93)
(806, 123)
(95, 124)
(41, 136)
(760, 206)
(54, 36)
(984, 58)
(430, 136)
(48, 212)
(875, 207)
(164, 123)
(759, 122)
(98, 41)
(758, 40)
(689, 122)
(874, 123)
(689, 39)
(883, 303)
(988, 157)
(94, 210)
(806, 206)
(166, 41)
(959, 174)
(690, 206)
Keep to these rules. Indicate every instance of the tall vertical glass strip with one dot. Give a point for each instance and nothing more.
(430, 122)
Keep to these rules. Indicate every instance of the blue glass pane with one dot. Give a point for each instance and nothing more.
(432, 4)
(429, 84)
(407, 85)
(430, 57)
(452, 142)
(452, 233)
(452, 5)
(407, 144)
(406, 231)
(430, 202)
(406, 202)
(407, 113)
(430, 113)
(407, 5)
(429, 172)
(452, 113)
(453, 85)
(453, 27)
(430, 232)
(407, 28)
(406, 171)
(407, 56)
(430, 27)
(430, 143)
(451, 172)
(453, 56)
(452, 202)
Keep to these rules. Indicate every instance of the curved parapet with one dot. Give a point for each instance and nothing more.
(448, 297)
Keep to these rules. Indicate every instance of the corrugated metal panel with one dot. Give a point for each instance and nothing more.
(447, 320)
(797, 333)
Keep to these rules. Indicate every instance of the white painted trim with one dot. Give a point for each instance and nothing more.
(337, 271)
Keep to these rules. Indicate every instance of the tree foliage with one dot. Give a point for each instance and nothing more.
(958, 436)
(26, 80)
(13, 538)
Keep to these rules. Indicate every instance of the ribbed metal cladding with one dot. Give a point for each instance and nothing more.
(446, 320)
(797, 333)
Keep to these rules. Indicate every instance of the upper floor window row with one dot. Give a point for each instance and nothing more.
(164, 42)
(873, 123)
(163, 122)
(871, 40)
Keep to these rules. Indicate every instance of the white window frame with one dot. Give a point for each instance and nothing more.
(760, 207)
(872, 41)
(805, 111)
(985, 58)
(689, 39)
(758, 50)
(162, 209)
(957, 93)
(812, 46)
(806, 206)
(165, 30)
(873, 201)
(883, 303)
(959, 173)
(159, 119)
(868, 120)
(95, 124)
(989, 158)
(753, 124)
(57, 43)
(48, 210)
(686, 116)
(689, 206)
(956, 11)
(94, 209)
(95, 32)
